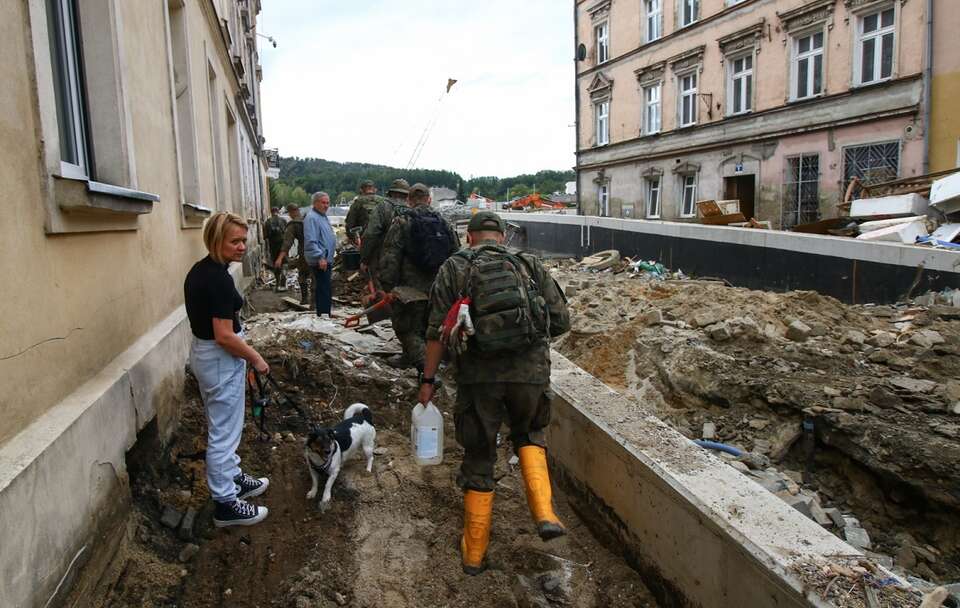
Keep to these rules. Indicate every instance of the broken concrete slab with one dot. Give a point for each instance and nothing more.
(878, 224)
(836, 517)
(913, 385)
(926, 338)
(901, 233)
(798, 331)
(857, 537)
(170, 517)
(185, 531)
(819, 515)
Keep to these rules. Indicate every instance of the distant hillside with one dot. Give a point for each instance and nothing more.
(301, 176)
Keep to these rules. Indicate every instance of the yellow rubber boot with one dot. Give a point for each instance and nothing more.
(536, 479)
(477, 513)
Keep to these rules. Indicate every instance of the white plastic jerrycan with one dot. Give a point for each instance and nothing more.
(426, 434)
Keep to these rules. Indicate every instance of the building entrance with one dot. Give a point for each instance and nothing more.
(743, 189)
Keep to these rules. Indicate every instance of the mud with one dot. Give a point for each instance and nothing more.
(390, 538)
(878, 385)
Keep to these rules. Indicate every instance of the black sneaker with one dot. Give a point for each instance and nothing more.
(248, 487)
(237, 513)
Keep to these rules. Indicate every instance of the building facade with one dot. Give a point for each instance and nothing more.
(776, 103)
(124, 124)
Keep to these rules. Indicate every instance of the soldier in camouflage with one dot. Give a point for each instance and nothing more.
(274, 228)
(507, 387)
(294, 234)
(359, 213)
(399, 273)
(380, 219)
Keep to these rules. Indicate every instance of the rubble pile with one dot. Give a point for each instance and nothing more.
(877, 389)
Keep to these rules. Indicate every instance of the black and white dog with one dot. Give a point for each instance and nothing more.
(327, 449)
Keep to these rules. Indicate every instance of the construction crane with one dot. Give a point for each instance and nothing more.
(428, 130)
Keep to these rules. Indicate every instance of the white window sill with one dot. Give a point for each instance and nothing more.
(864, 85)
(652, 217)
(83, 205)
(744, 113)
(807, 98)
(687, 126)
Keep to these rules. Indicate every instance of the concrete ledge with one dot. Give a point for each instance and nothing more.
(63, 480)
(700, 532)
(847, 269)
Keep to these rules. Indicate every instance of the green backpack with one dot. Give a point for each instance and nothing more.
(508, 310)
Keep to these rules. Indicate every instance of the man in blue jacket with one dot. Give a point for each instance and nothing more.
(319, 248)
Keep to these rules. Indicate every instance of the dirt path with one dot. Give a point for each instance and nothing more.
(390, 538)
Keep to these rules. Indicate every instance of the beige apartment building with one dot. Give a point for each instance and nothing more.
(777, 103)
(124, 124)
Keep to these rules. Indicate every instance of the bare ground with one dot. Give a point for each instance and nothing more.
(389, 539)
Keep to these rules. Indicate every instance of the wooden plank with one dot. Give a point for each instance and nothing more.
(295, 304)
(723, 220)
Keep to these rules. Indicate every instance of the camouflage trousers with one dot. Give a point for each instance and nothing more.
(410, 324)
(481, 409)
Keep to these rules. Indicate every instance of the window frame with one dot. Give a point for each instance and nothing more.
(602, 41)
(67, 55)
(877, 35)
(602, 122)
(683, 193)
(692, 92)
(798, 186)
(648, 14)
(732, 78)
(647, 129)
(885, 142)
(696, 9)
(648, 190)
(603, 200)
(795, 58)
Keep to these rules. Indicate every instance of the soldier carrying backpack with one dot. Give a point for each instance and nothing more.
(507, 306)
(417, 243)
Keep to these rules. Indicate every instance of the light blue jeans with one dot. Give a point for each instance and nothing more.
(221, 379)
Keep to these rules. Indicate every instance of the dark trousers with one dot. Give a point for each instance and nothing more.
(481, 409)
(410, 324)
(323, 289)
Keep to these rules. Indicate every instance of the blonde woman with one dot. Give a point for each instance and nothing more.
(218, 358)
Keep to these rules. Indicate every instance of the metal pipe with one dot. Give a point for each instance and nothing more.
(928, 89)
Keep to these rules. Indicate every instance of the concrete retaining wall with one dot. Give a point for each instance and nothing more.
(701, 533)
(64, 490)
(850, 270)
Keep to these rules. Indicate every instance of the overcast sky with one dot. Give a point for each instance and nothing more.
(360, 80)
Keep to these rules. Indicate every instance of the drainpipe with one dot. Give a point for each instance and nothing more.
(927, 89)
(576, 94)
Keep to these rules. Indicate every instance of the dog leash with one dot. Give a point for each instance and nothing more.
(260, 399)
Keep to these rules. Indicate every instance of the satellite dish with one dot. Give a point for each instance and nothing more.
(581, 52)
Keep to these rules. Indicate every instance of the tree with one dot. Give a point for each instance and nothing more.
(345, 197)
(518, 190)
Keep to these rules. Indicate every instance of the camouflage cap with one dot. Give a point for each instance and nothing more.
(419, 189)
(486, 220)
(399, 185)
(367, 183)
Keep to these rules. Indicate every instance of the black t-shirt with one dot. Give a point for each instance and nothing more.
(209, 293)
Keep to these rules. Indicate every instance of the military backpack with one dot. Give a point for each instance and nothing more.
(507, 306)
(430, 239)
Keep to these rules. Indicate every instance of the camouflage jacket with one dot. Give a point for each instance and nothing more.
(273, 230)
(294, 234)
(531, 365)
(377, 226)
(359, 213)
(396, 267)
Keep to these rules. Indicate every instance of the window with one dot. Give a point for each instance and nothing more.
(807, 78)
(873, 163)
(740, 85)
(653, 197)
(689, 12)
(688, 99)
(216, 137)
(602, 33)
(651, 109)
(688, 186)
(654, 12)
(801, 203)
(604, 200)
(874, 50)
(183, 94)
(62, 25)
(603, 123)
